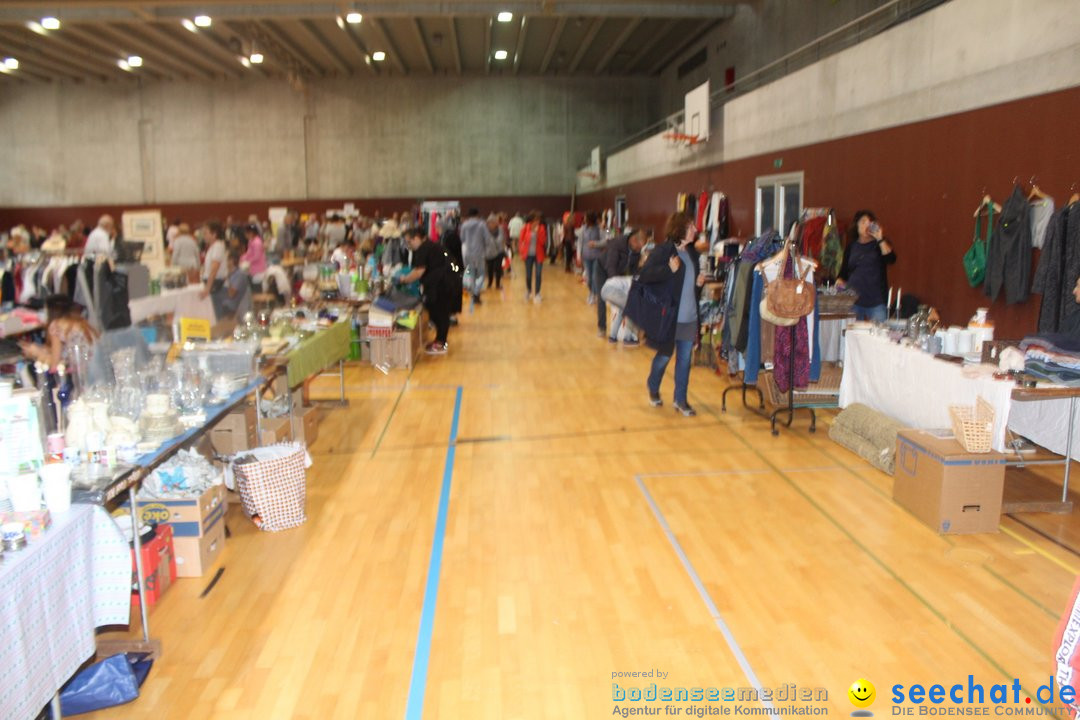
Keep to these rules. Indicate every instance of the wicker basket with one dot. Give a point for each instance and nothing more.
(973, 427)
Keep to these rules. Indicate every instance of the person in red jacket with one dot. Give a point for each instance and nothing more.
(531, 245)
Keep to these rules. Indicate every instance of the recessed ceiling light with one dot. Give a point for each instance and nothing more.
(188, 25)
(505, 16)
(134, 61)
(353, 18)
(245, 62)
(11, 63)
(340, 22)
(50, 23)
(36, 27)
(203, 21)
(256, 57)
(123, 65)
(378, 56)
(500, 54)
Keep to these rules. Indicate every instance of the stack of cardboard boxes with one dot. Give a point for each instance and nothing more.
(196, 527)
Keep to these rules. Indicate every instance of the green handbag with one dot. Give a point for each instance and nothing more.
(975, 257)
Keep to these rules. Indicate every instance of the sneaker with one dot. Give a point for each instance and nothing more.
(476, 300)
(630, 343)
(528, 296)
(654, 400)
(537, 299)
(685, 410)
(601, 332)
(436, 348)
(591, 300)
(613, 341)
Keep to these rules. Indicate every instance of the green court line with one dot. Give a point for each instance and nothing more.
(869, 553)
(394, 410)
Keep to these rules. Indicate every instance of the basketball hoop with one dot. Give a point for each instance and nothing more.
(588, 175)
(683, 139)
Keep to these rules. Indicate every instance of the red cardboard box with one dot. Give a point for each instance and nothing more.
(159, 567)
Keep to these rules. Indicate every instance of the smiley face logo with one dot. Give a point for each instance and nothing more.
(862, 693)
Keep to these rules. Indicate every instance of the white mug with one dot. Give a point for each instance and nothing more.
(56, 486)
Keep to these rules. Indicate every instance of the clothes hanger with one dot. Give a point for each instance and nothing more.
(1036, 191)
(1075, 196)
(986, 201)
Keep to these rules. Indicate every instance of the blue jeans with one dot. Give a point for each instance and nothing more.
(530, 263)
(599, 277)
(876, 313)
(590, 271)
(683, 352)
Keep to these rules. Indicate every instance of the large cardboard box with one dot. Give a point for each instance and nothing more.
(948, 488)
(401, 349)
(305, 424)
(189, 517)
(196, 555)
(235, 432)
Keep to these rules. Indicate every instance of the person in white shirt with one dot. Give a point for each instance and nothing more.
(514, 228)
(101, 238)
(215, 267)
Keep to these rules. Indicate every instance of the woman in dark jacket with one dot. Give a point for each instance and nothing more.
(672, 271)
(864, 268)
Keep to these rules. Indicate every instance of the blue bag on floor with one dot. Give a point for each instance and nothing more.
(113, 681)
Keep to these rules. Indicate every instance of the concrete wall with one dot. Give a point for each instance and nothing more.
(194, 142)
(759, 33)
(963, 55)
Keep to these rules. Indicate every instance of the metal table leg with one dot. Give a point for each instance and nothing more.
(139, 563)
(341, 378)
(1068, 449)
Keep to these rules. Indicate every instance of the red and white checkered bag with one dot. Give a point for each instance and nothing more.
(273, 487)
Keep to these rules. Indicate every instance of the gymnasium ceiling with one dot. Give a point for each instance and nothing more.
(309, 40)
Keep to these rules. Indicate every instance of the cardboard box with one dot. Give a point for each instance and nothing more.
(400, 350)
(188, 517)
(275, 430)
(305, 425)
(235, 432)
(159, 567)
(948, 488)
(196, 555)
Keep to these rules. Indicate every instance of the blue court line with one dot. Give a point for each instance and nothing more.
(414, 709)
(732, 643)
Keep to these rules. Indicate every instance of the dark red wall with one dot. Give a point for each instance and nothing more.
(923, 180)
(51, 217)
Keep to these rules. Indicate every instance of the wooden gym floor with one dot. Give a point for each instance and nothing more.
(578, 532)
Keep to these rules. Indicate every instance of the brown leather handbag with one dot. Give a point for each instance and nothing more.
(791, 297)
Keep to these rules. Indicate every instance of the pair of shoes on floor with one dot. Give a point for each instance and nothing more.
(436, 348)
(686, 410)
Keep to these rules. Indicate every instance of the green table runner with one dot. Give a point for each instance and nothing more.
(318, 352)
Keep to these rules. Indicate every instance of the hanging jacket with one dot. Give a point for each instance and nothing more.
(1008, 259)
(1059, 266)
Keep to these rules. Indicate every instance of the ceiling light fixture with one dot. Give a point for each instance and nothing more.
(245, 62)
(354, 18)
(378, 56)
(340, 22)
(188, 25)
(36, 27)
(505, 16)
(123, 65)
(203, 21)
(256, 57)
(11, 63)
(50, 23)
(134, 61)
(500, 54)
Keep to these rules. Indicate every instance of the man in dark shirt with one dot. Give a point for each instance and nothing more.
(431, 267)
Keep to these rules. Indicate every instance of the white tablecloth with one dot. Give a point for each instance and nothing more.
(1046, 423)
(182, 302)
(53, 593)
(915, 387)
